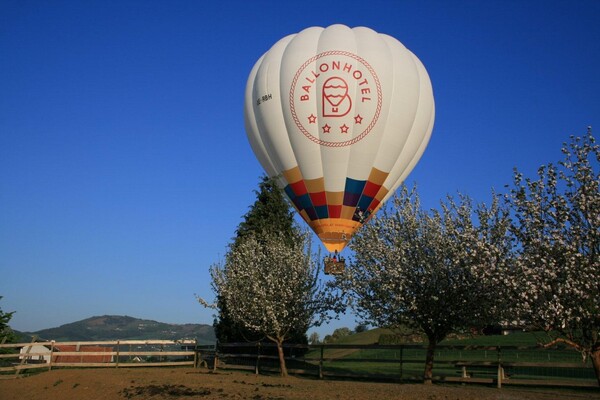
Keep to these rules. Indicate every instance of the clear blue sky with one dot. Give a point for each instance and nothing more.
(125, 168)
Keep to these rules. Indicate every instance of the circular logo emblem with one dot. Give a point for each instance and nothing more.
(335, 98)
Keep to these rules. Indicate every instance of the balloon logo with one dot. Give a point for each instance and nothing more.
(334, 73)
(335, 92)
(340, 117)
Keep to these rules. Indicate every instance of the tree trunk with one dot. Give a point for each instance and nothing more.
(596, 363)
(428, 374)
(282, 366)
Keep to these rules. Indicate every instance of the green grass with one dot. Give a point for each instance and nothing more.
(393, 363)
(408, 361)
(521, 339)
(514, 339)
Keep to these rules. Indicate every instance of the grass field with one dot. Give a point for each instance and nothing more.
(408, 361)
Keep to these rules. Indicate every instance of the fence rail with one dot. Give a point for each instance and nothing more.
(499, 365)
(16, 357)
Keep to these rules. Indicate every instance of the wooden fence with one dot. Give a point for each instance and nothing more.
(498, 365)
(17, 357)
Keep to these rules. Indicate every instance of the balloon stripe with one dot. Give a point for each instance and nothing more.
(319, 198)
(335, 211)
(363, 206)
(299, 188)
(371, 189)
(322, 212)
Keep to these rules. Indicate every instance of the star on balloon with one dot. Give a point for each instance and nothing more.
(312, 119)
(326, 129)
(358, 119)
(344, 128)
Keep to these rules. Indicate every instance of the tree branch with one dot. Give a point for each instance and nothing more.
(562, 340)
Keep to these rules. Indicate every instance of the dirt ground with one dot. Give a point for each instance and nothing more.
(186, 383)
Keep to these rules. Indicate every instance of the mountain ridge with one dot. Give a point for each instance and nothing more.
(122, 327)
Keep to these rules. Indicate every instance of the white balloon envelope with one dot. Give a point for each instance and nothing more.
(340, 117)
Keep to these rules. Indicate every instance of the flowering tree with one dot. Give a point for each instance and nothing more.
(269, 214)
(271, 288)
(556, 223)
(432, 271)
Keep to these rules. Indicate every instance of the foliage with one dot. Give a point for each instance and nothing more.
(6, 333)
(402, 335)
(314, 338)
(368, 337)
(271, 288)
(337, 335)
(433, 271)
(394, 339)
(270, 214)
(556, 222)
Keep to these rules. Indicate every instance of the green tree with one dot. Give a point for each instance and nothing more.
(338, 334)
(6, 334)
(314, 338)
(270, 214)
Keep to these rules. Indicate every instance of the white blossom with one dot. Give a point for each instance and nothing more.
(556, 224)
(272, 288)
(430, 270)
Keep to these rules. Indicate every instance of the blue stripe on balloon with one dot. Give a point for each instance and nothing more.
(312, 214)
(322, 212)
(352, 192)
(364, 202)
(290, 193)
(354, 186)
(304, 201)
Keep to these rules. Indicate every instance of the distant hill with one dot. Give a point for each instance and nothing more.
(116, 327)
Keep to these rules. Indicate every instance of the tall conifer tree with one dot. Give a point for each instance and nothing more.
(269, 214)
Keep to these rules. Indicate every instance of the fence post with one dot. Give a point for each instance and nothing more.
(51, 355)
(78, 349)
(321, 363)
(257, 358)
(196, 353)
(500, 370)
(117, 364)
(25, 357)
(216, 360)
(401, 360)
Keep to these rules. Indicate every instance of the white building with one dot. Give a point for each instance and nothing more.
(35, 353)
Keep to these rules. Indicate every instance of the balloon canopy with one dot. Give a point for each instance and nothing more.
(339, 117)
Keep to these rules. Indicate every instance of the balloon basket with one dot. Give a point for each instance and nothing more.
(333, 267)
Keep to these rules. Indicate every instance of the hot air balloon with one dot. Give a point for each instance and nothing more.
(339, 116)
